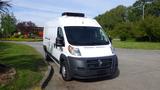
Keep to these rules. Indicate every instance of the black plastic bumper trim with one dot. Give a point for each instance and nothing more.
(85, 68)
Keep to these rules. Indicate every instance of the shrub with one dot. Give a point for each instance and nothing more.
(123, 31)
(147, 29)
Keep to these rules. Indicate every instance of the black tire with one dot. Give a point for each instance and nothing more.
(65, 72)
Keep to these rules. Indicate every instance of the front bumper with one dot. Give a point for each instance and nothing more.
(86, 68)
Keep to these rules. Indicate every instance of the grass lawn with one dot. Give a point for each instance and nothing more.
(21, 39)
(136, 45)
(28, 63)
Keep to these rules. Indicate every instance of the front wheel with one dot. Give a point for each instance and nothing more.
(65, 71)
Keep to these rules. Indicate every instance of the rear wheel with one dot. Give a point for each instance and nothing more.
(65, 71)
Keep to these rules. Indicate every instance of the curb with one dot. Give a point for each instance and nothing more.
(47, 77)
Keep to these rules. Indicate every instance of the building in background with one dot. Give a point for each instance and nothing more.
(29, 30)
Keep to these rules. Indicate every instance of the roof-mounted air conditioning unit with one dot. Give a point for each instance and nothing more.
(73, 14)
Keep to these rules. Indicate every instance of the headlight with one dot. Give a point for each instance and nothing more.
(74, 51)
(113, 50)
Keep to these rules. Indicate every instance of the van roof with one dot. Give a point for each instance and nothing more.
(77, 21)
(72, 21)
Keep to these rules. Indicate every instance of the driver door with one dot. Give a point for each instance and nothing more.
(57, 50)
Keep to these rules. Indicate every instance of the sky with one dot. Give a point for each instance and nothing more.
(42, 11)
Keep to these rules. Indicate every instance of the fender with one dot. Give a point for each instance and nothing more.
(62, 58)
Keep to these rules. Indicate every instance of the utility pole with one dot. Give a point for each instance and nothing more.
(143, 7)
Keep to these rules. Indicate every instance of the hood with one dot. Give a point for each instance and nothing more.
(95, 51)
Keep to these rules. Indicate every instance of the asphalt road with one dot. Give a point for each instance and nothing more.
(139, 70)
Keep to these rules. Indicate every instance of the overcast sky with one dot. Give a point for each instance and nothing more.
(41, 11)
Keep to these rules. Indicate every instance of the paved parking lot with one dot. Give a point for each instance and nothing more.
(139, 70)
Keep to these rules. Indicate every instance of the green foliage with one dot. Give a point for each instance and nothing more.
(153, 8)
(8, 24)
(134, 13)
(148, 29)
(123, 31)
(127, 22)
(109, 19)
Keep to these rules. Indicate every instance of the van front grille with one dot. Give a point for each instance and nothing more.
(98, 64)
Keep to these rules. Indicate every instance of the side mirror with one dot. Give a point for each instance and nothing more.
(59, 41)
(110, 39)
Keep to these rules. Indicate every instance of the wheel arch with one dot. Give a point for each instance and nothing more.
(62, 59)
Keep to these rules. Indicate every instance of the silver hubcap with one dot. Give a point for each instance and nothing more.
(63, 71)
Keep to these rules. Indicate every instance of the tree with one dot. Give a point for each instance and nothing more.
(153, 8)
(23, 26)
(8, 24)
(4, 5)
(123, 31)
(26, 24)
(148, 29)
(127, 22)
(140, 6)
(109, 19)
(26, 28)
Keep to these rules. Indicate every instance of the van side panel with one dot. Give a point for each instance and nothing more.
(50, 33)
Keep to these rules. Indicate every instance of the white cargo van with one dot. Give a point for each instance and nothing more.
(80, 47)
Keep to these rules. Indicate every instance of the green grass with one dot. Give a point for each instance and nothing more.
(21, 39)
(27, 62)
(136, 45)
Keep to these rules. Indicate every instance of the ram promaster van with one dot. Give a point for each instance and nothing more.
(79, 46)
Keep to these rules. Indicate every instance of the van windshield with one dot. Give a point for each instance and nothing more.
(80, 35)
